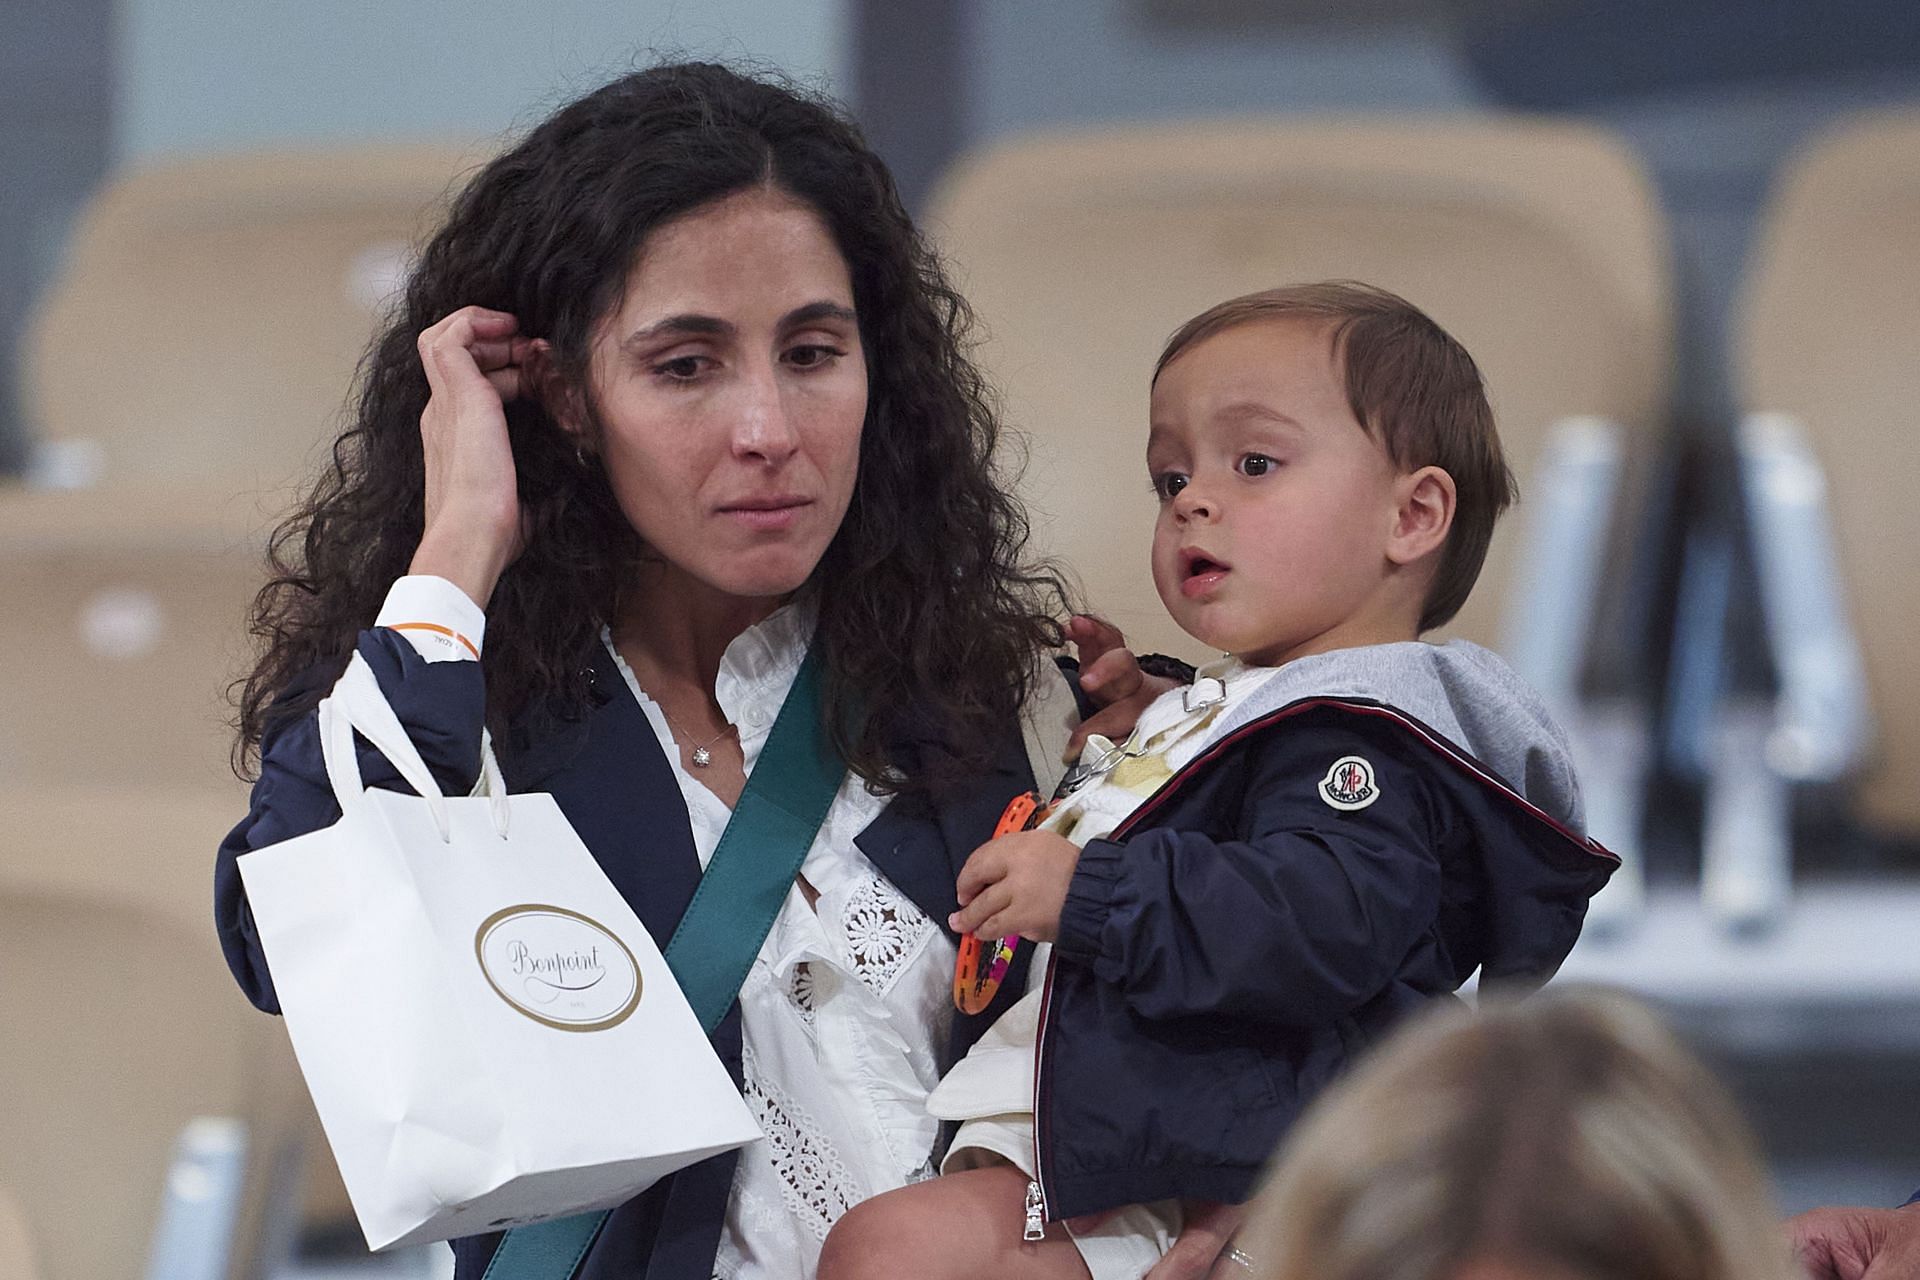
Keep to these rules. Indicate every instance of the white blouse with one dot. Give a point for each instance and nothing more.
(847, 1007)
(844, 1012)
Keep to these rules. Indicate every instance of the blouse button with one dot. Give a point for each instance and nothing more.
(756, 717)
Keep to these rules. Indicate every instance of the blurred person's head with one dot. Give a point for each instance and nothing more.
(923, 599)
(1565, 1137)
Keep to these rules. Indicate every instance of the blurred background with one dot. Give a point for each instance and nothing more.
(1681, 236)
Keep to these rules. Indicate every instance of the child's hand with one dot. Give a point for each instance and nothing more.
(1111, 676)
(1016, 884)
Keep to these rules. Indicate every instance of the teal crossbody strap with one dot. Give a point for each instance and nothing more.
(759, 854)
(773, 825)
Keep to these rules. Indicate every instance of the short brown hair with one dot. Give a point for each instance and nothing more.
(1414, 388)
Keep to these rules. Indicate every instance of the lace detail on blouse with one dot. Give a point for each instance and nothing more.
(814, 1181)
(758, 1217)
(800, 991)
(885, 931)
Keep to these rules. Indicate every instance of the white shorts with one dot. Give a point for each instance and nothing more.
(1123, 1247)
(990, 1091)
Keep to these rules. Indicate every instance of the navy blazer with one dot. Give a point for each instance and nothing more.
(608, 775)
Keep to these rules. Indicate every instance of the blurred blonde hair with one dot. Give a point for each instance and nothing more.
(1569, 1136)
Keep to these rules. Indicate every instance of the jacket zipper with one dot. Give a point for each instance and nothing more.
(1037, 1211)
(1036, 1225)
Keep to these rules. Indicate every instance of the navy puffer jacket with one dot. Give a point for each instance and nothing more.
(1320, 871)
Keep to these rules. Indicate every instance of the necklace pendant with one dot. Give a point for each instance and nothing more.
(702, 757)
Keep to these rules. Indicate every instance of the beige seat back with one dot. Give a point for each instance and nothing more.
(17, 1260)
(121, 1026)
(148, 848)
(211, 311)
(1830, 333)
(148, 851)
(1540, 246)
(122, 612)
(122, 618)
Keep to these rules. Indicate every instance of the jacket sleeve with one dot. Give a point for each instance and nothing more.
(1302, 917)
(442, 705)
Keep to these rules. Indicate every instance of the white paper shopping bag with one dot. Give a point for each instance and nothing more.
(489, 1033)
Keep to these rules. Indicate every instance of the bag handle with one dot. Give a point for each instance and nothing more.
(358, 704)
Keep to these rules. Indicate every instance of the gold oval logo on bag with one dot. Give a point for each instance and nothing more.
(558, 967)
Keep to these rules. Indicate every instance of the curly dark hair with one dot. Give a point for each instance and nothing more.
(930, 615)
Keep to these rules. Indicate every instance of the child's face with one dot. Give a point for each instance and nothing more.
(1276, 506)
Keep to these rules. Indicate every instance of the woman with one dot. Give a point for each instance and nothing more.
(1568, 1137)
(675, 396)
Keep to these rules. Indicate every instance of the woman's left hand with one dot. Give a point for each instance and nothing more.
(1111, 676)
(1206, 1233)
(1201, 1250)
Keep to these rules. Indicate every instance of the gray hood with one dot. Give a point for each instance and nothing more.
(1465, 693)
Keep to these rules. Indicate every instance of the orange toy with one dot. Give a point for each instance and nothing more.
(982, 963)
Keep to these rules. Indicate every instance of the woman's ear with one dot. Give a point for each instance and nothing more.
(1423, 514)
(559, 397)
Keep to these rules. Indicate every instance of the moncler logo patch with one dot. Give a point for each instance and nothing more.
(1349, 784)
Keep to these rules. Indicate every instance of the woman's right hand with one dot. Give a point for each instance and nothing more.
(1111, 676)
(475, 363)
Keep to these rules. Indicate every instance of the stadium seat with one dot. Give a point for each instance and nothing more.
(1828, 376)
(123, 609)
(1541, 246)
(139, 1090)
(122, 615)
(17, 1261)
(150, 848)
(209, 316)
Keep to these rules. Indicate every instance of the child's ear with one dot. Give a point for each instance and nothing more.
(1423, 514)
(561, 399)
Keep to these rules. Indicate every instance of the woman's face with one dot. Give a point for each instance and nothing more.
(730, 389)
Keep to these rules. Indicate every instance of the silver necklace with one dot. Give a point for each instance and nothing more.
(701, 756)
